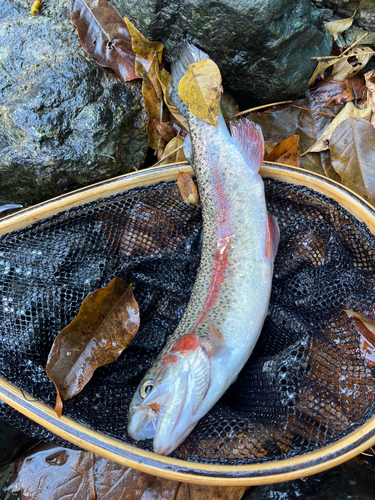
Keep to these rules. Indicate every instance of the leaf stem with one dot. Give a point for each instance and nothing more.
(312, 110)
(247, 111)
(345, 51)
(168, 155)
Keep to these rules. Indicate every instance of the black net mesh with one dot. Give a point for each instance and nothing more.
(308, 381)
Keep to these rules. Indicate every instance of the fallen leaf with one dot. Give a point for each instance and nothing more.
(285, 152)
(353, 156)
(228, 105)
(348, 111)
(200, 89)
(166, 85)
(166, 130)
(321, 68)
(105, 325)
(335, 28)
(147, 59)
(104, 36)
(370, 84)
(55, 473)
(276, 124)
(188, 189)
(366, 329)
(154, 109)
(330, 92)
(343, 69)
(172, 153)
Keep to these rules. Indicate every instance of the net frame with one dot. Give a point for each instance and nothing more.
(306, 464)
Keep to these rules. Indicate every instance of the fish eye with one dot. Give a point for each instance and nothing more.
(146, 388)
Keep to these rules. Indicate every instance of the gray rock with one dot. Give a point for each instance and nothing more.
(65, 122)
(365, 16)
(263, 48)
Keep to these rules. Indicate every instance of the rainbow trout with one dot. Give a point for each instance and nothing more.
(229, 301)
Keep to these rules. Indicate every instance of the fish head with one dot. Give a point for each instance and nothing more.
(165, 404)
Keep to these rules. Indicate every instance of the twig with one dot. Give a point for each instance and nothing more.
(247, 111)
(168, 155)
(345, 51)
(312, 110)
(344, 57)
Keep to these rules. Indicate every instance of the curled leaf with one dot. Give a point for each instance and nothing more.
(166, 85)
(105, 325)
(285, 152)
(353, 156)
(104, 36)
(147, 59)
(188, 189)
(358, 56)
(370, 84)
(200, 89)
(335, 28)
(166, 130)
(173, 153)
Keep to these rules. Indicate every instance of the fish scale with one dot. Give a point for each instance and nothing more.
(229, 301)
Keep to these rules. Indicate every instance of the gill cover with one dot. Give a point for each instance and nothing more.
(167, 413)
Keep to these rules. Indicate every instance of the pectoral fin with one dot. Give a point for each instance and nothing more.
(216, 338)
(249, 137)
(272, 237)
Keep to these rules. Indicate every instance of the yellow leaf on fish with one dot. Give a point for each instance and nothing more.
(200, 89)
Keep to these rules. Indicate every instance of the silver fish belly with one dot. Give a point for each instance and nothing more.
(229, 301)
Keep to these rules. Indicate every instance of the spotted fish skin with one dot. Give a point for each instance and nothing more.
(229, 301)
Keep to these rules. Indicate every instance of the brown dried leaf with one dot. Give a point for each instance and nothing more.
(285, 152)
(276, 124)
(173, 153)
(105, 325)
(366, 329)
(348, 111)
(154, 109)
(56, 473)
(200, 89)
(370, 84)
(353, 156)
(166, 130)
(166, 85)
(147, 59)
(320, 69)
(310, 127)
(188, 189)
(329, 92)
(343, 69)
(335, 28)
(104, 36)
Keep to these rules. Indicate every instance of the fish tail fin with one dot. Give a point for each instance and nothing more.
(250, 140)
(188, 55)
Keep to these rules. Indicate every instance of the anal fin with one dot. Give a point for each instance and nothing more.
(216, 338)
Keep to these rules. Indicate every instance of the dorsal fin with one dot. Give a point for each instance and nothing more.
(250, 140)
